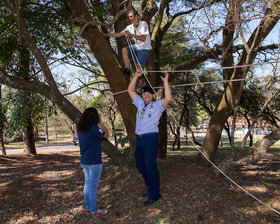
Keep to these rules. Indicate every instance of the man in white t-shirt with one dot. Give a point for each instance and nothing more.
(139, 31)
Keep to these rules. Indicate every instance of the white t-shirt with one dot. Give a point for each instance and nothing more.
(141, 29)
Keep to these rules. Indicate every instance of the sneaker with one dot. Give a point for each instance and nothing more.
(101, 212)
(150, 201)
(127, 71)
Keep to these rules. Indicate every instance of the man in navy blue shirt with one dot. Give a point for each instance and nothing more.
(148, 114)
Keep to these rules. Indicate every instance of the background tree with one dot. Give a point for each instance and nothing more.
(24, 110)
(248, 54)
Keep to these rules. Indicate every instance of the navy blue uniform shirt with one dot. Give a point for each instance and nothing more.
(90, 147)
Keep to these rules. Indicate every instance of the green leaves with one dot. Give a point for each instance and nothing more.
(123, 141)
(22, 106)
(96, 8)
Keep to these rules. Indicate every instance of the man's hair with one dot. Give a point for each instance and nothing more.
(133, 11)
(89, 117)
(147, 89)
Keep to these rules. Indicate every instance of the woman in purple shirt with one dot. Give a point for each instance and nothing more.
(90, 135)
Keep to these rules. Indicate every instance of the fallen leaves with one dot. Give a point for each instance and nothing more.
(48, 188)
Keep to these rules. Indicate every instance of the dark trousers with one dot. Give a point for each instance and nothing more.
(146, 149)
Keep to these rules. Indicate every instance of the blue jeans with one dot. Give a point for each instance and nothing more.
(142, 55)
(146, 149)
(92, 176)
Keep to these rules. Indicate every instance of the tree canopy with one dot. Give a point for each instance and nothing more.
(185, 35)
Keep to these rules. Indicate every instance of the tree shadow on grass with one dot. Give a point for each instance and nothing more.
(43, 185)
(49, 189)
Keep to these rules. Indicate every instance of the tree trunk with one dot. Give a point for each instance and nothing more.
(162, 153)
(178, 138)
(259, 151)
(28, 139)
(227, 128)
(250, 128)
(3, 150)
(46, 129)
(174, 142)
(194, 139)
(36, 134)
(217, 122)
(251, 139)
(264, 144)
(186, 136)
(103, 55)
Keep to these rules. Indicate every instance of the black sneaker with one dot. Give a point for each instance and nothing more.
(149, 202)
(127, 71)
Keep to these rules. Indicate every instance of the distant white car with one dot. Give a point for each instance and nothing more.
(75, 139)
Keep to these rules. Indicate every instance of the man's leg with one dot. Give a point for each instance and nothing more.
(150, 149)
(126, 54)
(139, 158)
(142, 56)
(125, 57)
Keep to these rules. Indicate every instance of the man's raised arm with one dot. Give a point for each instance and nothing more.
(167, 91)
(132, 84)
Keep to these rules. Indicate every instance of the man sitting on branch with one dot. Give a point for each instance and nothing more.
(139, 31)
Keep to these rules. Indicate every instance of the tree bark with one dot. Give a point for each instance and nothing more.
(162, 153)
(3, 150)
(103, 55)
(46, 129)
(28, 139)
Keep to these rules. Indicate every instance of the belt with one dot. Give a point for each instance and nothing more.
(147, 134)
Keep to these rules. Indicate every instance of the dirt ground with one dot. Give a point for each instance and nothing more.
(48, 188)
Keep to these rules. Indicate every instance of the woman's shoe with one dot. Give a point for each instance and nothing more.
(101, 212)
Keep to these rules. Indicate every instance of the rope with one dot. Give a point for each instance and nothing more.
(198, 82)
(134, 61)
(222, 68)
(232, 181)
(206, 83)
(133, 54)
(195, 72)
